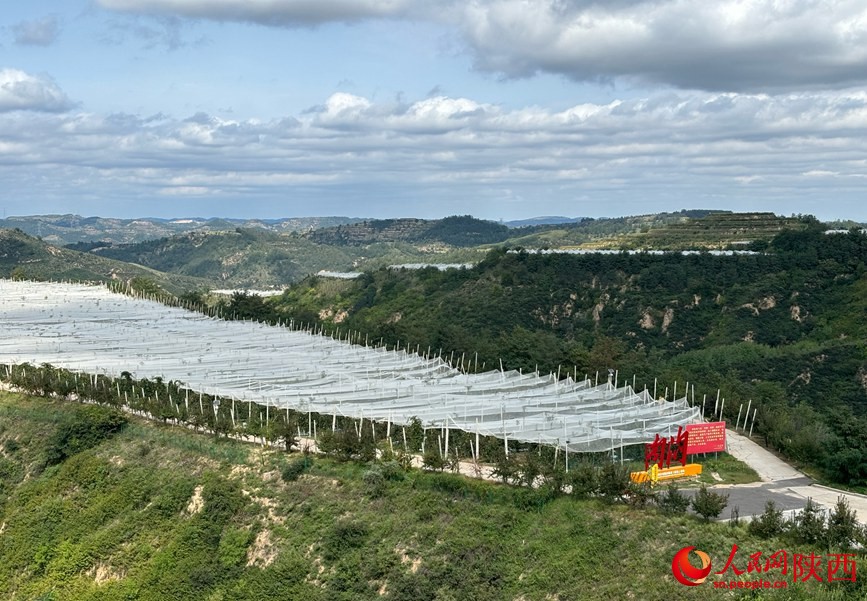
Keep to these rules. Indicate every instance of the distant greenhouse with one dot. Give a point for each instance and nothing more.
(91, 329)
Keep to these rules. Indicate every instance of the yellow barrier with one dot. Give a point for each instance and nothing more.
(655, 473)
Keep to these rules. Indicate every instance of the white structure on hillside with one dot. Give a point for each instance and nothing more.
(90, 329)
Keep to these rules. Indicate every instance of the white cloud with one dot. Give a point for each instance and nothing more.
(729, 45)
(726, 45)
(686, 147)
(40, 32)
(22, 91)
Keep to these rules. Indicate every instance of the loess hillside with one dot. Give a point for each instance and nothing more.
(150, 513)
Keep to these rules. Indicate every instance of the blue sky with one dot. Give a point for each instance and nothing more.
(379, 108)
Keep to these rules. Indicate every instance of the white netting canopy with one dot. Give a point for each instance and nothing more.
(90, 329)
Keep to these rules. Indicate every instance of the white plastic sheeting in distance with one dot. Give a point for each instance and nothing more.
(90, 329)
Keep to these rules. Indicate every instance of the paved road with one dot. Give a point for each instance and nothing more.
(782, 483)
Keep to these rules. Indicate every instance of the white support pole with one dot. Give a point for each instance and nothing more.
(753, 423)
(477, 440)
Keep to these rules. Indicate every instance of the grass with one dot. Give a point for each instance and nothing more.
(730, 470)
(162, 513)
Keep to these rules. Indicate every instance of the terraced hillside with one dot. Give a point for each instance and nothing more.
(715, 231)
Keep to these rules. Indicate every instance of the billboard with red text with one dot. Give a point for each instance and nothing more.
(706, 438)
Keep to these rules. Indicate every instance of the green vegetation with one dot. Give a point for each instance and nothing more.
(158, 512)
(706, 503)
(727, 469)
(257, 258)
(86, 233)
(23, 257)
(715, 231)
(782, 331)
(260, 254)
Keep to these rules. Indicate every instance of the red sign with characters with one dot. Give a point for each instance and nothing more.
(706, 438)
(663, 451)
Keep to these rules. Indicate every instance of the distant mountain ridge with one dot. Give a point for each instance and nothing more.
(276, 253)
(545, 220)
(70, 229)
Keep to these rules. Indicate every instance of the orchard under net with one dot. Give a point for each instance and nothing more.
(91, 329)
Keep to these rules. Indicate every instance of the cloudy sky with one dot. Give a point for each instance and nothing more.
(377, 108)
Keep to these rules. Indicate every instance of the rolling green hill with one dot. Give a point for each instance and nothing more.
(785, 328)
(251, 258)
(23, 256)
(452, 231)
(258, 258)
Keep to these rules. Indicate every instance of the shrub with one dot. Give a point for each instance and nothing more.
(614, 482)
(432, 459)
(392, 471)
(344, 536)
(505, 468)
(293, 470)
(709, 504)
(90, 426)
(529, 469)
(223, 498)
(672, 501)
(374, 482)
(584, 480)
(770, 523)
(346, 445)
(639, 494)
(843, 528)
(808, 526)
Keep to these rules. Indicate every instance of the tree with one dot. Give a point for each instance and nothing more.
(770, 523)
(614, 482)
(709, 504)
(842, 525)
(672, 501)
(809, 524)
